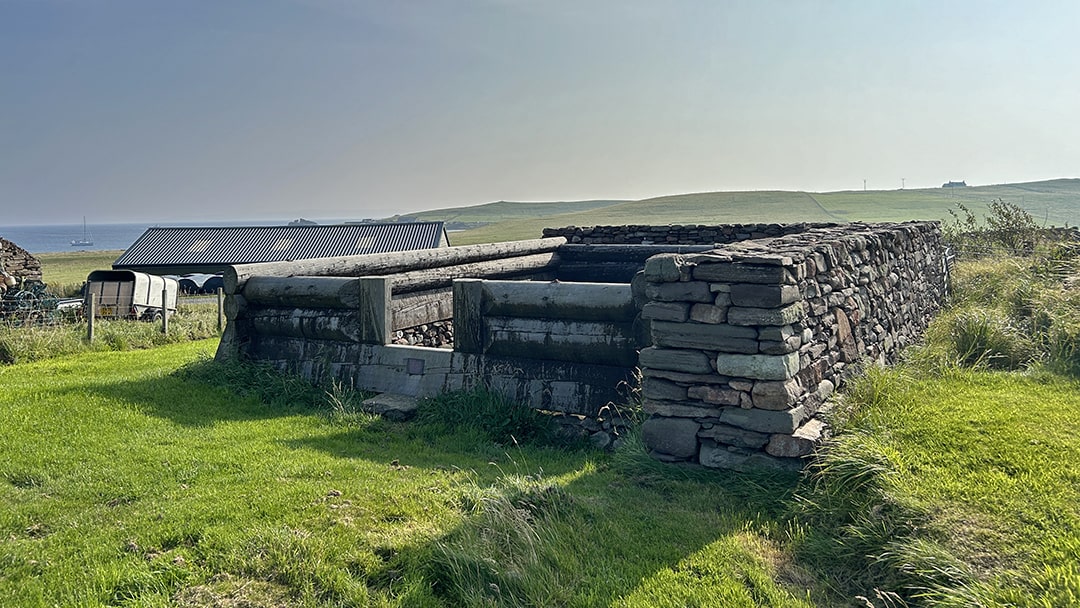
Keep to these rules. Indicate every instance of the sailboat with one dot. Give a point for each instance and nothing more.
(86, 240)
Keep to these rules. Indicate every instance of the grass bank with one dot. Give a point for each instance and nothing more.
(135, 478)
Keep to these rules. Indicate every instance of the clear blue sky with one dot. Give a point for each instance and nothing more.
(145, 110)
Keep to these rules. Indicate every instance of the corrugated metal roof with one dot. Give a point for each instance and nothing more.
(187, 246)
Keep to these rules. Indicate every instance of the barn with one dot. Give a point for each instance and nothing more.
(209, 250)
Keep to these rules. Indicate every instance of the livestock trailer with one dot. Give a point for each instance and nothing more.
(126, 294)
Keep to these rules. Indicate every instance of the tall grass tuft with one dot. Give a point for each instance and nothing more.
(507, 553)
(34, 343)
(487, 413)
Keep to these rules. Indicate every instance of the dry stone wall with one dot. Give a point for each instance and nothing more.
(677, 234)
(748, 341)
(18, 262)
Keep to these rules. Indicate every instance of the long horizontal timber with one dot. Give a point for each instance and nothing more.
(388, 263)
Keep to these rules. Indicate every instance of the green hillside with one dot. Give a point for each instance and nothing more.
(507, 210)
(1055, 202)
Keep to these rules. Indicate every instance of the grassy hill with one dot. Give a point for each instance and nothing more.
(507, 210)
(1055, 202)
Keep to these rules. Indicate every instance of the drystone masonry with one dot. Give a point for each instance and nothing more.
(676, 234)
(749, 340)
(18, 262)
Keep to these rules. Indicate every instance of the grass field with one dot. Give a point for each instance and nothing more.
(1054, 202)
(65, 272)
(138, 478)
(123, 482)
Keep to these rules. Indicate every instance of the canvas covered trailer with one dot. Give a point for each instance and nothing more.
(126, 294)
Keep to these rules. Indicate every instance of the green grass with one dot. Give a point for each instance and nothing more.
(192, 321)
(960, 489)
(505, 210)
(124, 482)
(65, 272)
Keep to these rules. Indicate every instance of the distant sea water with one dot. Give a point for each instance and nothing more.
(49, 239)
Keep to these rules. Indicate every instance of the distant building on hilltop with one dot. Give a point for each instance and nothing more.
(960, 184)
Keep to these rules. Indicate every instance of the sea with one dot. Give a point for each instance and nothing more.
(106, 237)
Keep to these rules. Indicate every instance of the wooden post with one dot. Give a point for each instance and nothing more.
(91, 312)
(374, 310)
(220, 309)
(164, 310)
(469, 315)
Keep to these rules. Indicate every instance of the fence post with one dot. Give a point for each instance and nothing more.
(374, 314)
(220, 310)
(165, 310)
(91, 312)
(469, 315)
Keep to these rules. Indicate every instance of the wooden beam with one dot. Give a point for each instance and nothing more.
(601, 343)
(303, 292)
(418, 308)
(387, 263)
(522, 266)
(469, 316)
(374, 310)
(564, 301)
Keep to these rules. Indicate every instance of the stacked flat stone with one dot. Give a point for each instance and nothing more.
(678, 234)
(749, 341)
(18, 262)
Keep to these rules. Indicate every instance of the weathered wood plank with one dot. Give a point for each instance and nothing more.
(303, 292)
(413, 309)
(563, 301)
(469, 315)
(318, 324)
(374, 313)
(420, 280)
(388, 263)
(574, 341)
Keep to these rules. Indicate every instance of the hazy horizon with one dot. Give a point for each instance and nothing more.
(133, 111)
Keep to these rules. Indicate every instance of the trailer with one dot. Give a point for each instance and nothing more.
(126, 294)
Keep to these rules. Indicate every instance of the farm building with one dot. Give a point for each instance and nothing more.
(185, 250)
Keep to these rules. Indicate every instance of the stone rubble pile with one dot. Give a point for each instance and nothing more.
(439, 334)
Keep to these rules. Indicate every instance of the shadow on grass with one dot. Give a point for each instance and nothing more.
(544, 526)
(193, 395)
(538, 526)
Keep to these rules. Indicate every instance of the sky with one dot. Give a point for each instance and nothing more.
(198, 111)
